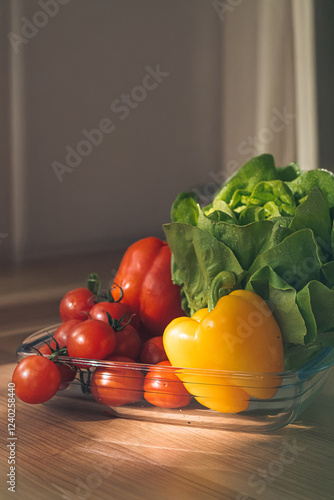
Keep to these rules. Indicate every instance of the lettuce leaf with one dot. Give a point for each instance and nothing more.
(281, 298)
(185, 208)
(296, 259)
(306, 181)
(199, 258)
(272, 228)
(288, 173)
(259, 168)
(246, 241)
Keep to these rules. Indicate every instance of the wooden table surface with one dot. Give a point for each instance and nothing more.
(69, 449)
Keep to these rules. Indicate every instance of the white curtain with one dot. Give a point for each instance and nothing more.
(305, 82)
(269, 83)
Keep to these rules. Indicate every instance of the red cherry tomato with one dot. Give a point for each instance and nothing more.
(45, 349)
(67, 374)
(60, 335)
(128, 342)
(36, 379)
(91, 339)
(63, 331)
(117, 386)
(153, 351)
(163, 388)
(116, 311)
(76, 304)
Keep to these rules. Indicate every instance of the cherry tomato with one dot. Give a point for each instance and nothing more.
(45, 349)
(76, 304)
(128, 342)
(91, 339)
(63, 331)
(117, 386)
(60, 335)
(67, 374)
(163, 388)
(116, 311)
(153, 351)
(36, 379)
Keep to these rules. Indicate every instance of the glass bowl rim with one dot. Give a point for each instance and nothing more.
(314, 365)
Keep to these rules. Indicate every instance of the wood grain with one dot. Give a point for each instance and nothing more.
(69, 449)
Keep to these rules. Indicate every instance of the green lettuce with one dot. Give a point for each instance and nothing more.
(270, 230)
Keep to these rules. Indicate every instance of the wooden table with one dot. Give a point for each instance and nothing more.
(69, 449)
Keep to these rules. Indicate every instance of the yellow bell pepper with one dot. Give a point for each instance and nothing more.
(239, 336)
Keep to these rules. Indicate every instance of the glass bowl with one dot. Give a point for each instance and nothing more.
(292, 391)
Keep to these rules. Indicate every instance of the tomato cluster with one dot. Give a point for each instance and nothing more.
(96, 327)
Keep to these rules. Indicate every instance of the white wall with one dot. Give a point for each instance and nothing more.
(231, 69)
(65, 78)
(5, 212)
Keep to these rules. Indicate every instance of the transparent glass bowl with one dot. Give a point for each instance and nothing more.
(296, 389)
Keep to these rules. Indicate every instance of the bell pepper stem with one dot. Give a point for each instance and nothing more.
(94, 283)
(221, 285)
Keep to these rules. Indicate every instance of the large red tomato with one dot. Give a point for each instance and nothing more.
(145, 278)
